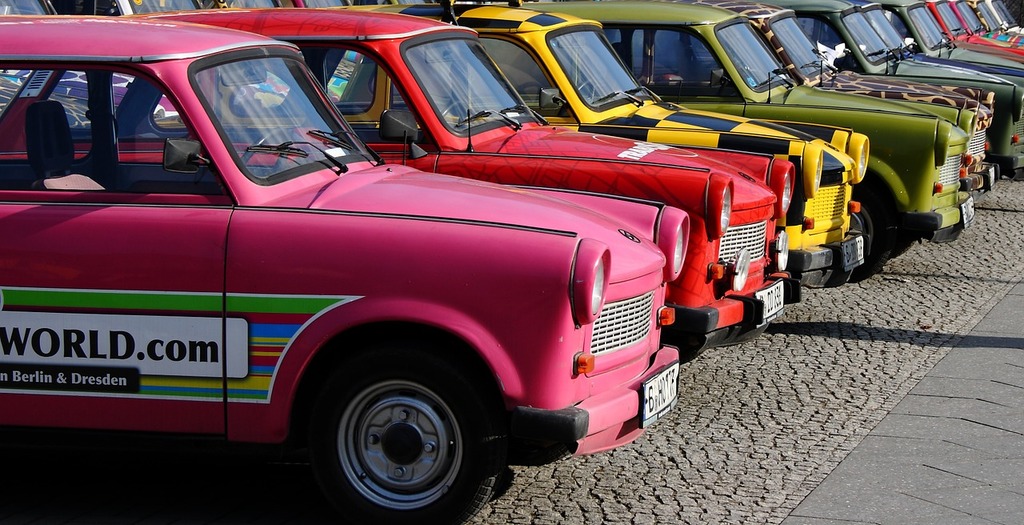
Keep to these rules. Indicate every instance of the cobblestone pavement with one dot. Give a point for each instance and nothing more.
(758, 425)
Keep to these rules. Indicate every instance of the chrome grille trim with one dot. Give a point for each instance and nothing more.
(1018, 128)
(949, 174)
(753, 237)
(977, 145)
(622, 323)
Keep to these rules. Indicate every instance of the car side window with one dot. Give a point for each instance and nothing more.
(520, 69)
(94, 130)
(819, 31)
(360, 89)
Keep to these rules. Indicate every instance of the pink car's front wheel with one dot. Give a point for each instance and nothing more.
(402, 435)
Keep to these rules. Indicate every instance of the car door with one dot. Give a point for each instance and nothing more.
(111, 288)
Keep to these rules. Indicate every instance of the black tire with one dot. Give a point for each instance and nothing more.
(399, 434)
(878, 221)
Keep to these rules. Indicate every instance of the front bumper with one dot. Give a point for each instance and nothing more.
(601, 422)
(697, 329)
(981, 179)
(828, 265)
(930, 225)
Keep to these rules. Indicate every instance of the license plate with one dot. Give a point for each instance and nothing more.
(967, 212)
(990, 177)
(853, 253)
(773, 299)
(659, 394)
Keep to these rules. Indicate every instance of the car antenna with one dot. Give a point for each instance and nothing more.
(469, 130)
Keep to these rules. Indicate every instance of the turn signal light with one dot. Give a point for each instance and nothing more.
(968, 160)
(717, 271)
(584, 364)
(938, 188)
(963, 172)
(666, 316)
(808, 223)
(854, 207)
(1015, 139)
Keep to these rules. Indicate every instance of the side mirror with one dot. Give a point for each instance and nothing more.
(399, 125)
(718, 77)
(551, 98)
(182, 156)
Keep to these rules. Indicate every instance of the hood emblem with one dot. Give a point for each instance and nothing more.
(629, 236)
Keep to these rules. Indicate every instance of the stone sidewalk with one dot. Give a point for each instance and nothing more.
(952, 451)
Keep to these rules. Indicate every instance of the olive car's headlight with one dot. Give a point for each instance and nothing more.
(739, 268)
(673, 237)
(590, 277)
(811, 170)
(860, 148)
(943, 136)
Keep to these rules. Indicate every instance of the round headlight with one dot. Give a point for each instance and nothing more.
(723, 219)
(597, 291)
(814, 157)
(782, 250)
(679, 251)
(787, 193)
(859, 150)
(673, 235)
(589, 284)
(740, 269)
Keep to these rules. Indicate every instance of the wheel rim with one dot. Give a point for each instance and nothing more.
(399, 445)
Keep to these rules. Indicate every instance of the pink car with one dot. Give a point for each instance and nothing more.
(245, 270)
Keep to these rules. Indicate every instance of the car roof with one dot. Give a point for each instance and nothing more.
(747, 8)
(673, 13)
(114, 39)
(297, 24)
(819, 6)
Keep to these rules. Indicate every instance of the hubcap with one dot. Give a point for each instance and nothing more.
(399, 445)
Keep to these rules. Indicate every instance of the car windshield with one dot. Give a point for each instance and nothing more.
(800, 48)
(463, 85)
(968, 14)
(22, 7)
(990, 15)
(865, 37)
(882, 22)
(949, 18)
(1004, 12)
(274, 120)
(595, 71)
(759, 68)
(927, 28)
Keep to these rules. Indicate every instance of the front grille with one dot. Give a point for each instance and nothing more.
(753, 237)
(949, 175)
(622, 323)
(1018, 129)
(828, 204)
(977, 145)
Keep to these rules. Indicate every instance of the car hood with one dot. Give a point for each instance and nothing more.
(400, 192)
(636, 157)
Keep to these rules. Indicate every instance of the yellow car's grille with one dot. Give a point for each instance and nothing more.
(828, 204)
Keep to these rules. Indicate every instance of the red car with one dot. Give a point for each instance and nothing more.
(425, 94)
(241, 269)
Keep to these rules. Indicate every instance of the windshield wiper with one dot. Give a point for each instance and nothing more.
(511, 122)
(283, 149)
(615, 94)
(332, 137)
(286, 149)
(772, 75)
